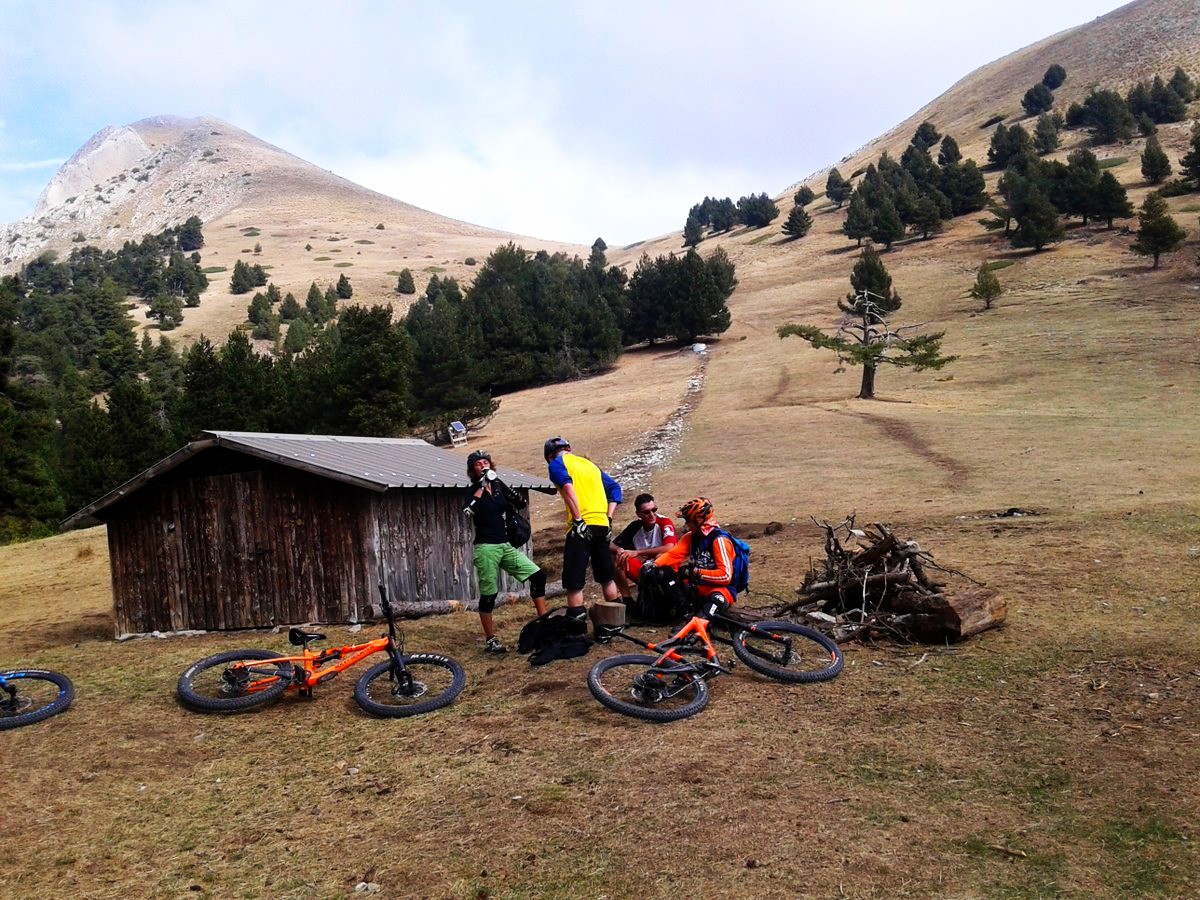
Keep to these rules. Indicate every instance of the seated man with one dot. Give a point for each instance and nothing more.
(644, 538)
(704, 556)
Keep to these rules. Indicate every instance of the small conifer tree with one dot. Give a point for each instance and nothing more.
(987, 286)
(1155, 163)
(1159, 232)
(404, 284)
(798, 223)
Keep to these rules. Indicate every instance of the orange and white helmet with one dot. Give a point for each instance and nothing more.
(697, 510)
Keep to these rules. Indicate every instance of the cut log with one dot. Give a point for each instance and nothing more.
(950, 617)
(605, 612)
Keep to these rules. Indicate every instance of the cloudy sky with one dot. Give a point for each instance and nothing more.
(559, 120)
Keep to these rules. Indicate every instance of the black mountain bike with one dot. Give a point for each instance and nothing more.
(673, 683)
(404, 684)
(31, 695)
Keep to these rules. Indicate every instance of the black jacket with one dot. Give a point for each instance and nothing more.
(490, 511)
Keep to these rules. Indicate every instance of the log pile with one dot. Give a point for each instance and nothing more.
(882, 586)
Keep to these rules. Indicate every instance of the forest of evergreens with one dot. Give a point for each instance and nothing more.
(85, 405)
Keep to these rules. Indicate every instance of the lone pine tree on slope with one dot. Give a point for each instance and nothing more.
(864, 337)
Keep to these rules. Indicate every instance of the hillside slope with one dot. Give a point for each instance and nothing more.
(1076, 394)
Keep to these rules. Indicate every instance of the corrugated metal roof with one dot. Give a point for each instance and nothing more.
(377, 464)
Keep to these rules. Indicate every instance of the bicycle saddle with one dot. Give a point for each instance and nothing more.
(298, 637)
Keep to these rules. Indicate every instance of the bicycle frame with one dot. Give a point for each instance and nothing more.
(698, 626)
(310, 669)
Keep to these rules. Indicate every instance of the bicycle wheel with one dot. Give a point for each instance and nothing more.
(630, 684)
(40, 694)
(233, 681)
(430, 681)
(808, 657)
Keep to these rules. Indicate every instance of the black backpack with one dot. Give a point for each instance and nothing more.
(553, 636)
(662, 598)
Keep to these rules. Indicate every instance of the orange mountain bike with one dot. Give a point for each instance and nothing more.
(674, 683)
(405, 684)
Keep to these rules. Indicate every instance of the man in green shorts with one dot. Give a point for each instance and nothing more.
(488, 502)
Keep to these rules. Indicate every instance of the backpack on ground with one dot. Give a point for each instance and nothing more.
(553, 636)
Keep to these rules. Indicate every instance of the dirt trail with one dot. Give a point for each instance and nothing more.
(658, 447)
(908, 437)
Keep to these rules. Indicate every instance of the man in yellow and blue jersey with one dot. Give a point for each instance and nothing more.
(591, 497)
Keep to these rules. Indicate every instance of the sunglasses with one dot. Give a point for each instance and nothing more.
(646, 512)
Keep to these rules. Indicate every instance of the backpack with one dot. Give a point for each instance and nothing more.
(741, 560)
(554, 636)
(661, 599)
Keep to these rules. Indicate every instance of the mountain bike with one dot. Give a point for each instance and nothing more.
(673, 684)
(405, 684)
(31, 695)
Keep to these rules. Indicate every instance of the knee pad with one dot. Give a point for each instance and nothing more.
(487, 602)
(537, 584)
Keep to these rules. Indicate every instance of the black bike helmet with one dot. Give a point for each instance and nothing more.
(475, 456)
(553, 446)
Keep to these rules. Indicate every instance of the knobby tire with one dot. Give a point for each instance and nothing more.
(638, 663)
(815, 657)
(64, 694)
(233, 702)
(376, 691)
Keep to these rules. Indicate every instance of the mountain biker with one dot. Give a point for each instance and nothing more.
(644, 538)
(487, 502)
(590, 497)
(703, 557)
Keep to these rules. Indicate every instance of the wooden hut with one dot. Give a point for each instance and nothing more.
(245, 530)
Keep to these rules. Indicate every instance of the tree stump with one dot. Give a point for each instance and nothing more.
(606, 612)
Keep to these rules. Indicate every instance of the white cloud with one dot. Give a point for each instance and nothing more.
(32, 166)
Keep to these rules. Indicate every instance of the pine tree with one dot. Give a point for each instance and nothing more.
(865, 337)
(926, 136)
(190, 236)
(757, 210)
(1037, 221)
(928, 218)
(804, 196)
(331, 300)
(1183, 85)
(837, 188)
(859, 220)
(1155, 164)
(949, 153)
(987, 286)
(1045, 134)
(1189, 165)
(404, 284)
(1054, 77)
(798, 223)
(259, 311)
(693, 232)
(1107, 115)
(1037, 99)
(886, 226)
(314, 304)
(168, 310)
(1159, 232)
(242, 279)
(344, 290)
(289, 309)
(299, 334)
(1110, 200)
(870, 276)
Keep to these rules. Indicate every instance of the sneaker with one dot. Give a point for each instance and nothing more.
(493, 645)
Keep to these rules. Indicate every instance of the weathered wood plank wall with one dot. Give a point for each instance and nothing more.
(271, 545)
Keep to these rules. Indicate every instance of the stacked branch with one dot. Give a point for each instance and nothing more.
(873, 583)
